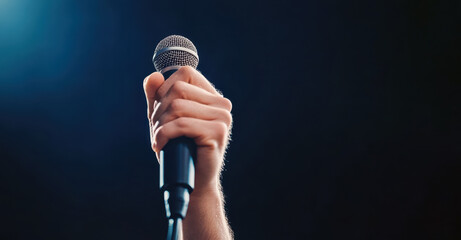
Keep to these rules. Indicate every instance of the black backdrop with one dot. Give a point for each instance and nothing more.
(346, 117)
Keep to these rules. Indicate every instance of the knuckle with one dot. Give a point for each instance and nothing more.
(226, 117)
(179, 88)
(220, 129)
(186, 70)
(175, 106)
(227, 103)
(181, 122)
(213, 143)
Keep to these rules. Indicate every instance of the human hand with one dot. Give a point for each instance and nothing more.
(187, 104)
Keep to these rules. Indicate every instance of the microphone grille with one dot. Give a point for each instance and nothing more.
(175, 50)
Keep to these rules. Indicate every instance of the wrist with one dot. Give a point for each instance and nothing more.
(204, 192)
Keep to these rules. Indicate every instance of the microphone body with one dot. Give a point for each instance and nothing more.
(177, 173)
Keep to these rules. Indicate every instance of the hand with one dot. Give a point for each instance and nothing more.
(188, 105)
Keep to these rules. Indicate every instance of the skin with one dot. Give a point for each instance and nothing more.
(189, 105)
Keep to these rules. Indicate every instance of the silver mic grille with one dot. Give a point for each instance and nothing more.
(174, 51)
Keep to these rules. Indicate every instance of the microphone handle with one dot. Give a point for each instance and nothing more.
(177, 172)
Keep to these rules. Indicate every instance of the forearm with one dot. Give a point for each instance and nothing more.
(206, 217)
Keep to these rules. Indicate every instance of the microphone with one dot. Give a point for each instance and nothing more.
(177, 171)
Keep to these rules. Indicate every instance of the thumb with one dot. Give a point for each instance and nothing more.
(151, 84)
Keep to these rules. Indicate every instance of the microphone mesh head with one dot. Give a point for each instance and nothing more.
(165, 57)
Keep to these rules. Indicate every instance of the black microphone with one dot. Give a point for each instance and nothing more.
(177, 171)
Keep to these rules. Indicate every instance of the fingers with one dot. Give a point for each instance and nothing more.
(205, 133)
(155, 86)
(183, 90)
(186, 108)
(151, 84)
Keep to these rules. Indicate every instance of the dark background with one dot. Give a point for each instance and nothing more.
(346, 116)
